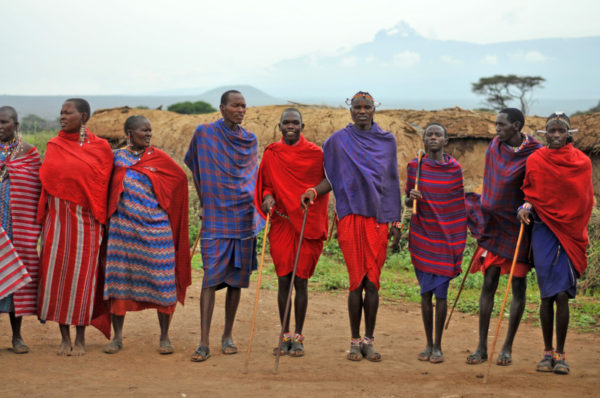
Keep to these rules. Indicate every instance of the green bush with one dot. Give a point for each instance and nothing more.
(191, 108)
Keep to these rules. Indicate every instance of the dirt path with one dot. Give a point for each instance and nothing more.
(138, 370)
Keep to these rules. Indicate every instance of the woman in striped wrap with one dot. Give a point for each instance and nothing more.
(148, 257)
(75, 176)
(19, 194)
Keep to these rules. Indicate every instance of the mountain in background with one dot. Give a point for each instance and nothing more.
(401, 68)
(48, 107)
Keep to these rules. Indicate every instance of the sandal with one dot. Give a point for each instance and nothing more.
(436, 356)
(201, 354)
(165, 348)
(425, 355)
(355, 353)
(504, 359)
(113, 347)
(297, 347)
(286, 344)
(476, 358)
(547, 363)
(561, 366)
(227, 347)
(19, 347)
(368, 350)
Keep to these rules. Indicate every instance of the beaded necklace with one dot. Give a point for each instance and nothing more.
(9, 152)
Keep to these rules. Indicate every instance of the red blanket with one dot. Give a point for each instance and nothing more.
(285, 172)
(558, 182)
(171, 188)
(79, 174)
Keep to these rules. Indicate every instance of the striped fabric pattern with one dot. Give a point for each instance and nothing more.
(438, 232)
(502, 195)
(71, 241)
(140, 259)
(25, 189)
(225, 164)
(13, 274)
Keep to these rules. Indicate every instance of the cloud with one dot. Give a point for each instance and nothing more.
(531, 56)
(349, 62)
(406, 59)
(490, 59)
(451, 60)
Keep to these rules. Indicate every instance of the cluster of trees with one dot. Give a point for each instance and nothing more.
(31, 124)
(191, 108)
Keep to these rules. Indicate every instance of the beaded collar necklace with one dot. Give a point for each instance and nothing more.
(9, 152)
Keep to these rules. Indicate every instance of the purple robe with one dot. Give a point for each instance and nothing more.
(362, 168)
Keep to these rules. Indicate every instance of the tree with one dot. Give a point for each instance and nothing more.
(499, 89)
(191, 108)
(34, 123)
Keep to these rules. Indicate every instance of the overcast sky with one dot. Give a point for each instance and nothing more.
(141, 46)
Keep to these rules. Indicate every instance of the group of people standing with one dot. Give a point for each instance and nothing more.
(115, 228)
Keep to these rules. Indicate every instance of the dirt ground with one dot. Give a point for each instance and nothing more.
(138, 370)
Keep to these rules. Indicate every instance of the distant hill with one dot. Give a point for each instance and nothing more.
(48, 107)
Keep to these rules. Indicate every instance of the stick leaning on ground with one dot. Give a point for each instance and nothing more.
(500, 316)
(260, 268)
(419, 160)
(195, 244)
(462, 284)
(288, 304)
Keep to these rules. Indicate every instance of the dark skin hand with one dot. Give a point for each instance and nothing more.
(268, 203)
(524, 215)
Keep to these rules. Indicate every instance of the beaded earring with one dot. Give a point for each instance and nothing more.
(82, 134)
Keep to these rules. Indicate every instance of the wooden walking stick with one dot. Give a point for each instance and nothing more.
(500, 316)
(260, 268)
(333, 222)
(462, 284)
(289, 297)
(419, 159)
(195, 243)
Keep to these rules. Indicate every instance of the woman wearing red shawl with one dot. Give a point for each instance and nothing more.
(19, 194)
(559, 236)
(75, 176)
(287, 169)
(147, 256)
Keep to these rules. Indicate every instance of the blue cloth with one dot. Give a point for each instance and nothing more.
(224, 164)
(6, 304)
(362, 168)
(553, 268)
(228, 262)
(438, 284)
(140, 255)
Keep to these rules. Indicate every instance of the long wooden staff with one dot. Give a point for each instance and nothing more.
(462, 284)
(195, 244)
(289, 297)
(333, 222)
(260, 268)
(419, 159)
(510, 276)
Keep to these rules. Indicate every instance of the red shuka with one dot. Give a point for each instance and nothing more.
(79, 174)
(558, 182)
(170, 185)
(285, 172)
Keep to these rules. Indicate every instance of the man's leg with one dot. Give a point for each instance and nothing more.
(371, 305)
(300, 303)
(441, 308)
(79, 346)
(355, 308)
(486, 305)
(282, 293)
(207, 306)
(164, 321)
(562, 321)
(116, 343)
(547, 321)
(517, 306)
(427, 316)
(65, 344)
(232, 300)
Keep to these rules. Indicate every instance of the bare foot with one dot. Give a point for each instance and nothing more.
(113, 347)
(65, 349)
(19, 346)
(78, 350)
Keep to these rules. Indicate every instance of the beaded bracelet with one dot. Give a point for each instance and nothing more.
(313, 191)
(397, 224)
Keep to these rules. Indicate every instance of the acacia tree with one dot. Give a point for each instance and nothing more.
(499, 89)
(191, 108)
